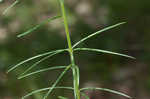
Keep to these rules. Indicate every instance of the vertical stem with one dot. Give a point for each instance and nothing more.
(74, 67)
(66, 25)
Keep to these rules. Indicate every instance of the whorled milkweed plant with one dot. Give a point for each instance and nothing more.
(73, 66)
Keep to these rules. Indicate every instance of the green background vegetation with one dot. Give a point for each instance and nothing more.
(85, 17)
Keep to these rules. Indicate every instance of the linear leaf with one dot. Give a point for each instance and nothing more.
(39, 25)
(61, 97)
(102, 51)
(41, 70)
(59, 78)
(83, 94)
(44, 89)
(34, 57)
(12, 5)
(75, 80)
(38, 62)
(100, 31)
(78, 74)
(107, 90)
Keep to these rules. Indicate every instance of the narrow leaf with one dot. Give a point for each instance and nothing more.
(38, 62)
(39, 25)
(78, 74)
(41, 70)
(96, 33)
(54, 85)
(12, 5)
(37, 56)
(107, 90)
(76, 78)
(102, 51)
(44, 89)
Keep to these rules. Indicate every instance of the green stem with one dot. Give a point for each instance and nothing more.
(74, 67)
(66, 25)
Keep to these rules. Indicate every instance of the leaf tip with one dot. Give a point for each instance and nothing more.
(19, 78)
(132, 57)
(19, 35)
(121, 23)
(129, 97)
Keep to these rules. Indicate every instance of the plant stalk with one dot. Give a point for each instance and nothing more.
(74, 70)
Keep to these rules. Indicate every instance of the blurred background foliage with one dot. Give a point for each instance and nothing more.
(85, 17)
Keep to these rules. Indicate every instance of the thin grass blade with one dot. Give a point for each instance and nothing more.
(74, 81)
(34, 57)
(83, 94)
(44, 89)
(76, 78)
(42, 70)
(38, 62)
(12, 5)
(35, 64)
(54, 85)
(78, 74)
(107, 90)
(102, 51)
(61, 97)
(98, 32)
(39, 25)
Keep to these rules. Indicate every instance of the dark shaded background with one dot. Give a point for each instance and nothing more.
(85, 17)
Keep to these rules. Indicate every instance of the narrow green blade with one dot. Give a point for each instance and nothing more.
(54, 85)
(39, 25)
(78, 74)
(76, 79)
(100, 31)
(107, 90)
(41, 70)
(37, 56)
(44, 89)
(12, 5)
(38, 62)
(102, 51)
